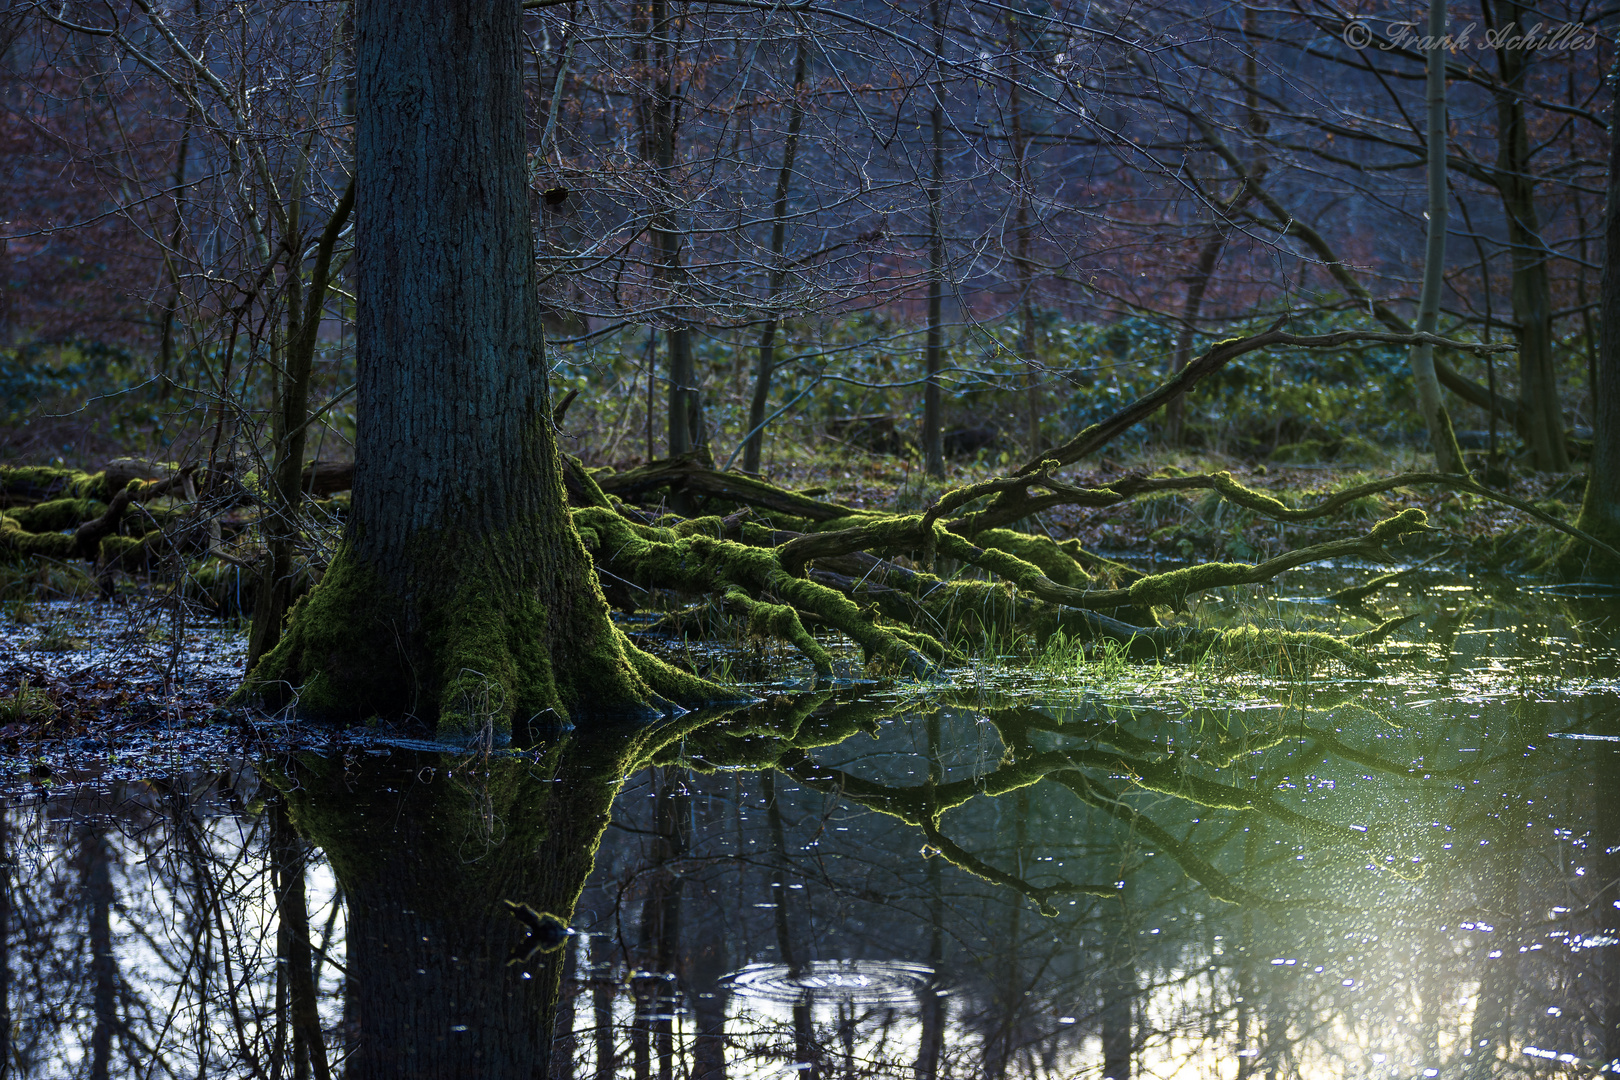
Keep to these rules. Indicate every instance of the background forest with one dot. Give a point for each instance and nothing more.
(924, 229)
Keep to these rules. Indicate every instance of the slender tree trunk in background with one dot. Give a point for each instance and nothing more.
(171, 266)
(934, 350)
(686, 427)
(1023, 237)
(289, 434)
(1600, 507)
(461, 593)
(1254, 171)
(1542, 420)
(98, 891)
(767, 336)
(1197, 284)
(1447, 455)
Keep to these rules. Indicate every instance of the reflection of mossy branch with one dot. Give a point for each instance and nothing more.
(922, 807)
(1165, 776)
(1201, 870)
(964, 860)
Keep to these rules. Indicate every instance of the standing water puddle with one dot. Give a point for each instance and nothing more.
(1143, 871)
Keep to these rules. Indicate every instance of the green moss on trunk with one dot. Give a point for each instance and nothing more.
(475, 649)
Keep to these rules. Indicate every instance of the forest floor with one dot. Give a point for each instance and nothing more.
(93, 688)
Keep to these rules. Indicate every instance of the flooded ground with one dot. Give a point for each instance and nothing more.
(1091, 869)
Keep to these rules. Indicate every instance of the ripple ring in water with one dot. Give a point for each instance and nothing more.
(863, 982)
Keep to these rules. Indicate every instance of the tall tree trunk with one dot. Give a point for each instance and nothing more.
(686, 427)
(1600, 507)
(1447, 455)
(767, 336)
(1023, 237)
(934, 349)
(461, 593)
(1542, 422)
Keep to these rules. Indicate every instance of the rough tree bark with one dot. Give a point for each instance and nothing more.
(461, 593)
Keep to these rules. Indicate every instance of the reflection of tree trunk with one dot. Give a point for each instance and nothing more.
(998, 1049)
(602, 986)
(659, 934)
(706, 962)
(806, 1052)
(292, 947)
(425, 866)
(565, 1041)
(5, 940)
(1118, 996)
(1493, 1005)
(1500, 866)
(1606, 876)
(1246, 990)
(1275, 1051)
(98, 890)
(931, 1039)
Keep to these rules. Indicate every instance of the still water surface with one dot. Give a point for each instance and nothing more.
(1087, 872)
